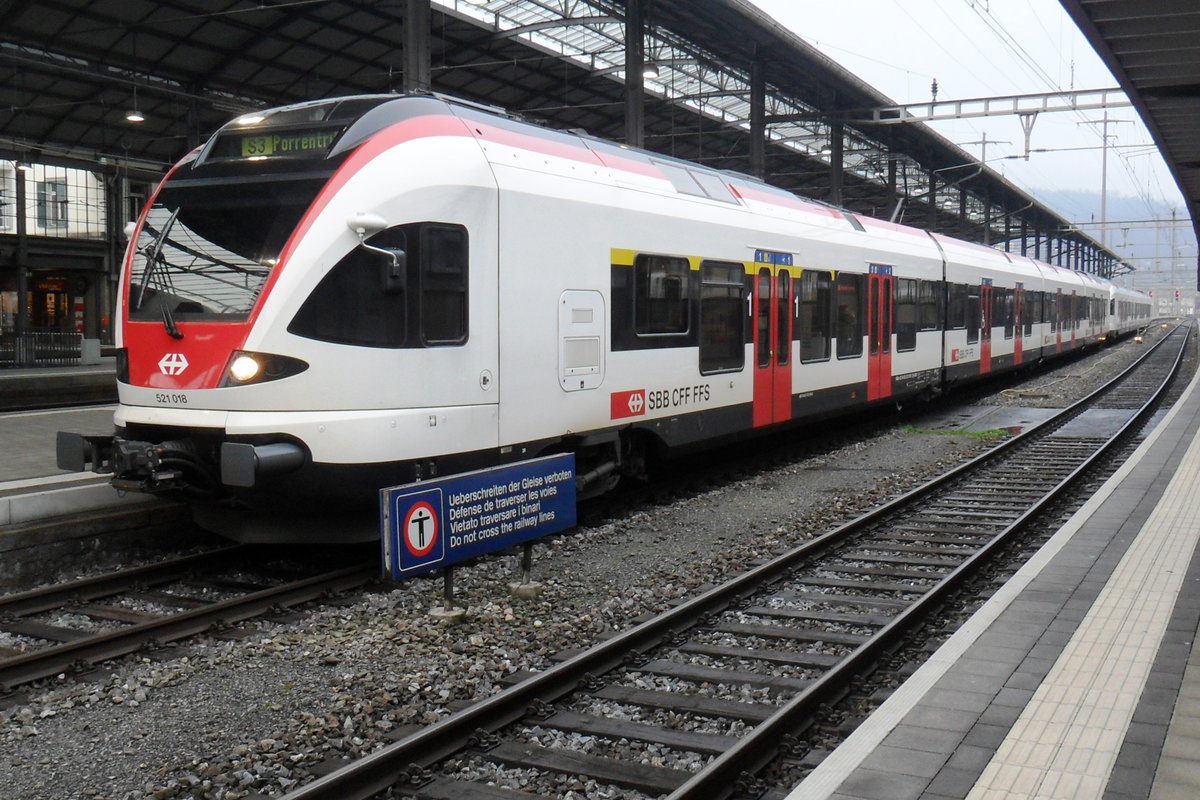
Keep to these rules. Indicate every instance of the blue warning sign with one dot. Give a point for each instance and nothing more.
(433, 524)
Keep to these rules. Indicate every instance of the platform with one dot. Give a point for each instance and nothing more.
(50, 387)
(32, 487)
(1079, 678)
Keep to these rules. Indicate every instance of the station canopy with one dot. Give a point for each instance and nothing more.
(71, 71)
(1152, 47)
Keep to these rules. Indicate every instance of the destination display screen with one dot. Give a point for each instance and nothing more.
(264, 144)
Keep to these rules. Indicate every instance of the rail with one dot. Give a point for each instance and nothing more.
(77, 649)
(407, 761)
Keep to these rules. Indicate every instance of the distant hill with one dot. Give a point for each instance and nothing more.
(1141, 244)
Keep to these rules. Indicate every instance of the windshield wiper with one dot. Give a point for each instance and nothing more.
(169, 322)
(153, 253)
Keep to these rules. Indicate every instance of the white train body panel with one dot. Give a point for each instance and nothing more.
(425, 287)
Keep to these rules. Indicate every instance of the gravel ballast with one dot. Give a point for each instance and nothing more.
(228, 719)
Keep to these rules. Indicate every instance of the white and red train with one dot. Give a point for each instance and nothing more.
(337, 296)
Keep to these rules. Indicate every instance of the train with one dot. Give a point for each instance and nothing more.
(346, 294)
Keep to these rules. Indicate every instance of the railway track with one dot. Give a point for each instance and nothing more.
(70, 627)
(704, 700)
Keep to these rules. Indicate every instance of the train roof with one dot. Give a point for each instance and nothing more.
(335, 126)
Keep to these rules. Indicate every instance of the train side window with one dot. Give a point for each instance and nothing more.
(973, 314)
(360, 302)
(443, 259)
(661, 299)
(722, 343)
(1031, 311)
(850, 316)
(957, 316)
(1007, 312)
(816, 306)
(906, 314)
(763, 342)
(928, 318)
(783, 304)
(348, 306)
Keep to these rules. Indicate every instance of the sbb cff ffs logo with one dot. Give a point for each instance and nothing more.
(173, 364)
(637, 402)
(680, 396)
(627, 404)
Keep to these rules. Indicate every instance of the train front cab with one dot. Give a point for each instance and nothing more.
(385, 294)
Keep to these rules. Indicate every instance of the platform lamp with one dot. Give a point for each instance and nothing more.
(133, 114)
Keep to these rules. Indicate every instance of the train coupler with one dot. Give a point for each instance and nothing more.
(135, 466)
(150, 467)
(154, 482)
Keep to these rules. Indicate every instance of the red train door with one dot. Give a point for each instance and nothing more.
(879, 332)
(985, 328)
(772, 309)
(1018, 320)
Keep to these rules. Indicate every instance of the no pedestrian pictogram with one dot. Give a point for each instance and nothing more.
(416, 538)
(420, 529)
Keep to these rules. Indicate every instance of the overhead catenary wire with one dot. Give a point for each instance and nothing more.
(993, 23)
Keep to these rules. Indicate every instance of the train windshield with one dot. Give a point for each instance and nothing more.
(208, 245)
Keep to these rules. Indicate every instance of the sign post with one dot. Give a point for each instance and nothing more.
(434, 524)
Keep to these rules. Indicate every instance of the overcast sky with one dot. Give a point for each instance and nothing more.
(986, 48)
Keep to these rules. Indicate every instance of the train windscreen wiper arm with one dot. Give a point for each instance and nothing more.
(169, 322)
(152, 253)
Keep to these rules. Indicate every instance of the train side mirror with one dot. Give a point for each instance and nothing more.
(365, 224)
(396, 260)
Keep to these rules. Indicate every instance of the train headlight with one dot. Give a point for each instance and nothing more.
(245, 368)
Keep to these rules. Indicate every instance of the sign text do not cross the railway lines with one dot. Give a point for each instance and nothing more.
(433, 524)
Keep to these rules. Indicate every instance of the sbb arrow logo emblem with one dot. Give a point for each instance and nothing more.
(173, 364)
(627, 404)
